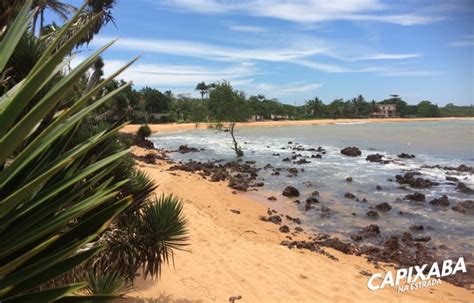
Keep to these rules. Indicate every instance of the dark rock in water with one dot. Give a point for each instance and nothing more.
(299, 229)
(184, 149)
(373, 214)
(349, 195)
(293, 170)
(441, 202)
(302, 161)
(315, 193)
(276, 154)
(422, 239)
(267, 166)
(317, 156)
(464, 188)
(291, 191)
(351, 151)
(465, 207)
(415, 197)
(337, 244)
(453, 179)
(378, 187)
(375, 158)
(272, 198)
(367, 232)
(349, 179)
(325, 209)
(409, 178)
(307, 207)
(312, 200)
(384, 207)
(290, 142)
(416, 227)
(286, 160)
(275, 173)
(406, 156)
(284, 229)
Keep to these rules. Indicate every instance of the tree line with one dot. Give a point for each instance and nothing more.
(214, 105)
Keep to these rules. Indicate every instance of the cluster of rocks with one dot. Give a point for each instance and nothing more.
(410, 179)
(465, 207)
(150, 158)
(184, 149)
(461, 168)
(240, 176)
(405, 156)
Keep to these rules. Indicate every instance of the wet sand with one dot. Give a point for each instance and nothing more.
(237, 254)
(170, 127)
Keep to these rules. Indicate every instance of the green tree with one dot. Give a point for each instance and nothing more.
(427, 109)
(228, 105)
(202, 88)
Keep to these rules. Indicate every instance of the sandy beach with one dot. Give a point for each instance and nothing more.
(170, 127)
(236, 254)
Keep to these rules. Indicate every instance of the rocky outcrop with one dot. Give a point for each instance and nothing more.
(291, 191)
(375, 158)
(351, 151)
(440, 202)
(465, 207)
(419, 197)
(415, 182)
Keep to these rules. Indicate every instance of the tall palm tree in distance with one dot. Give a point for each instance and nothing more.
(63, 10)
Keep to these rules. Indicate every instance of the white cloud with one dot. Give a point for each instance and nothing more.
(390, 57)
(276, 90)
(467, 40)
(306, 11)
(410, 73)
(247, 29)
(161, 75)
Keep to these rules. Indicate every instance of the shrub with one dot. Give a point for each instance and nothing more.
(144, 131)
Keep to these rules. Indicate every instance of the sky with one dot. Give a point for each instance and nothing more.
(297, 50)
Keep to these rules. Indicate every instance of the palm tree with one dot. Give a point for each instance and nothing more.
(63, 10)
(202, 88)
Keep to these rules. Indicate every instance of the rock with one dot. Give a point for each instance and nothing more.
(235, 211)
(238, 184)
(416, 227)
(383, 207)
(286, 160)
(298, 229)
(219, 176)
(465, 207)
(284, 229)
(453, 179)
(372, 214)
(374, 158)
(312, 200)
(337, 245)
(349, 179)
(267, 166)
(275, 219)
(291, 191)
(409, 178)
(302, 161)
(349, 195)
(419, 197)
(367, 232)
(184, 149)
(315, 193)
(351, 151)
(378, 187)
(406, 156)
(272, 198)
(464, 188)
(422, 239)
(307, 207)
(275, 173)
(441, 202)
(293, 170)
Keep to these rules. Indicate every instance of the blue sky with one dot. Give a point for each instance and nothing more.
(295, 50)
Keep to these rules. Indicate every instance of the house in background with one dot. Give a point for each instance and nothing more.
(385, 111)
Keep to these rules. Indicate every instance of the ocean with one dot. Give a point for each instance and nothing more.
(444, 143)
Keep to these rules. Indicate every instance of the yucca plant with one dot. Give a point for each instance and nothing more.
(107, 283)
(147, 240)
(56, 193)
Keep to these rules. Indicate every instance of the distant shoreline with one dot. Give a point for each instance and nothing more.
(171, 127)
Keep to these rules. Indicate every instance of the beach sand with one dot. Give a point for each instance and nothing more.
(170, 127)
(237, 254)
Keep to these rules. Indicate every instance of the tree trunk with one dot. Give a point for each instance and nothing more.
(238, 150)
